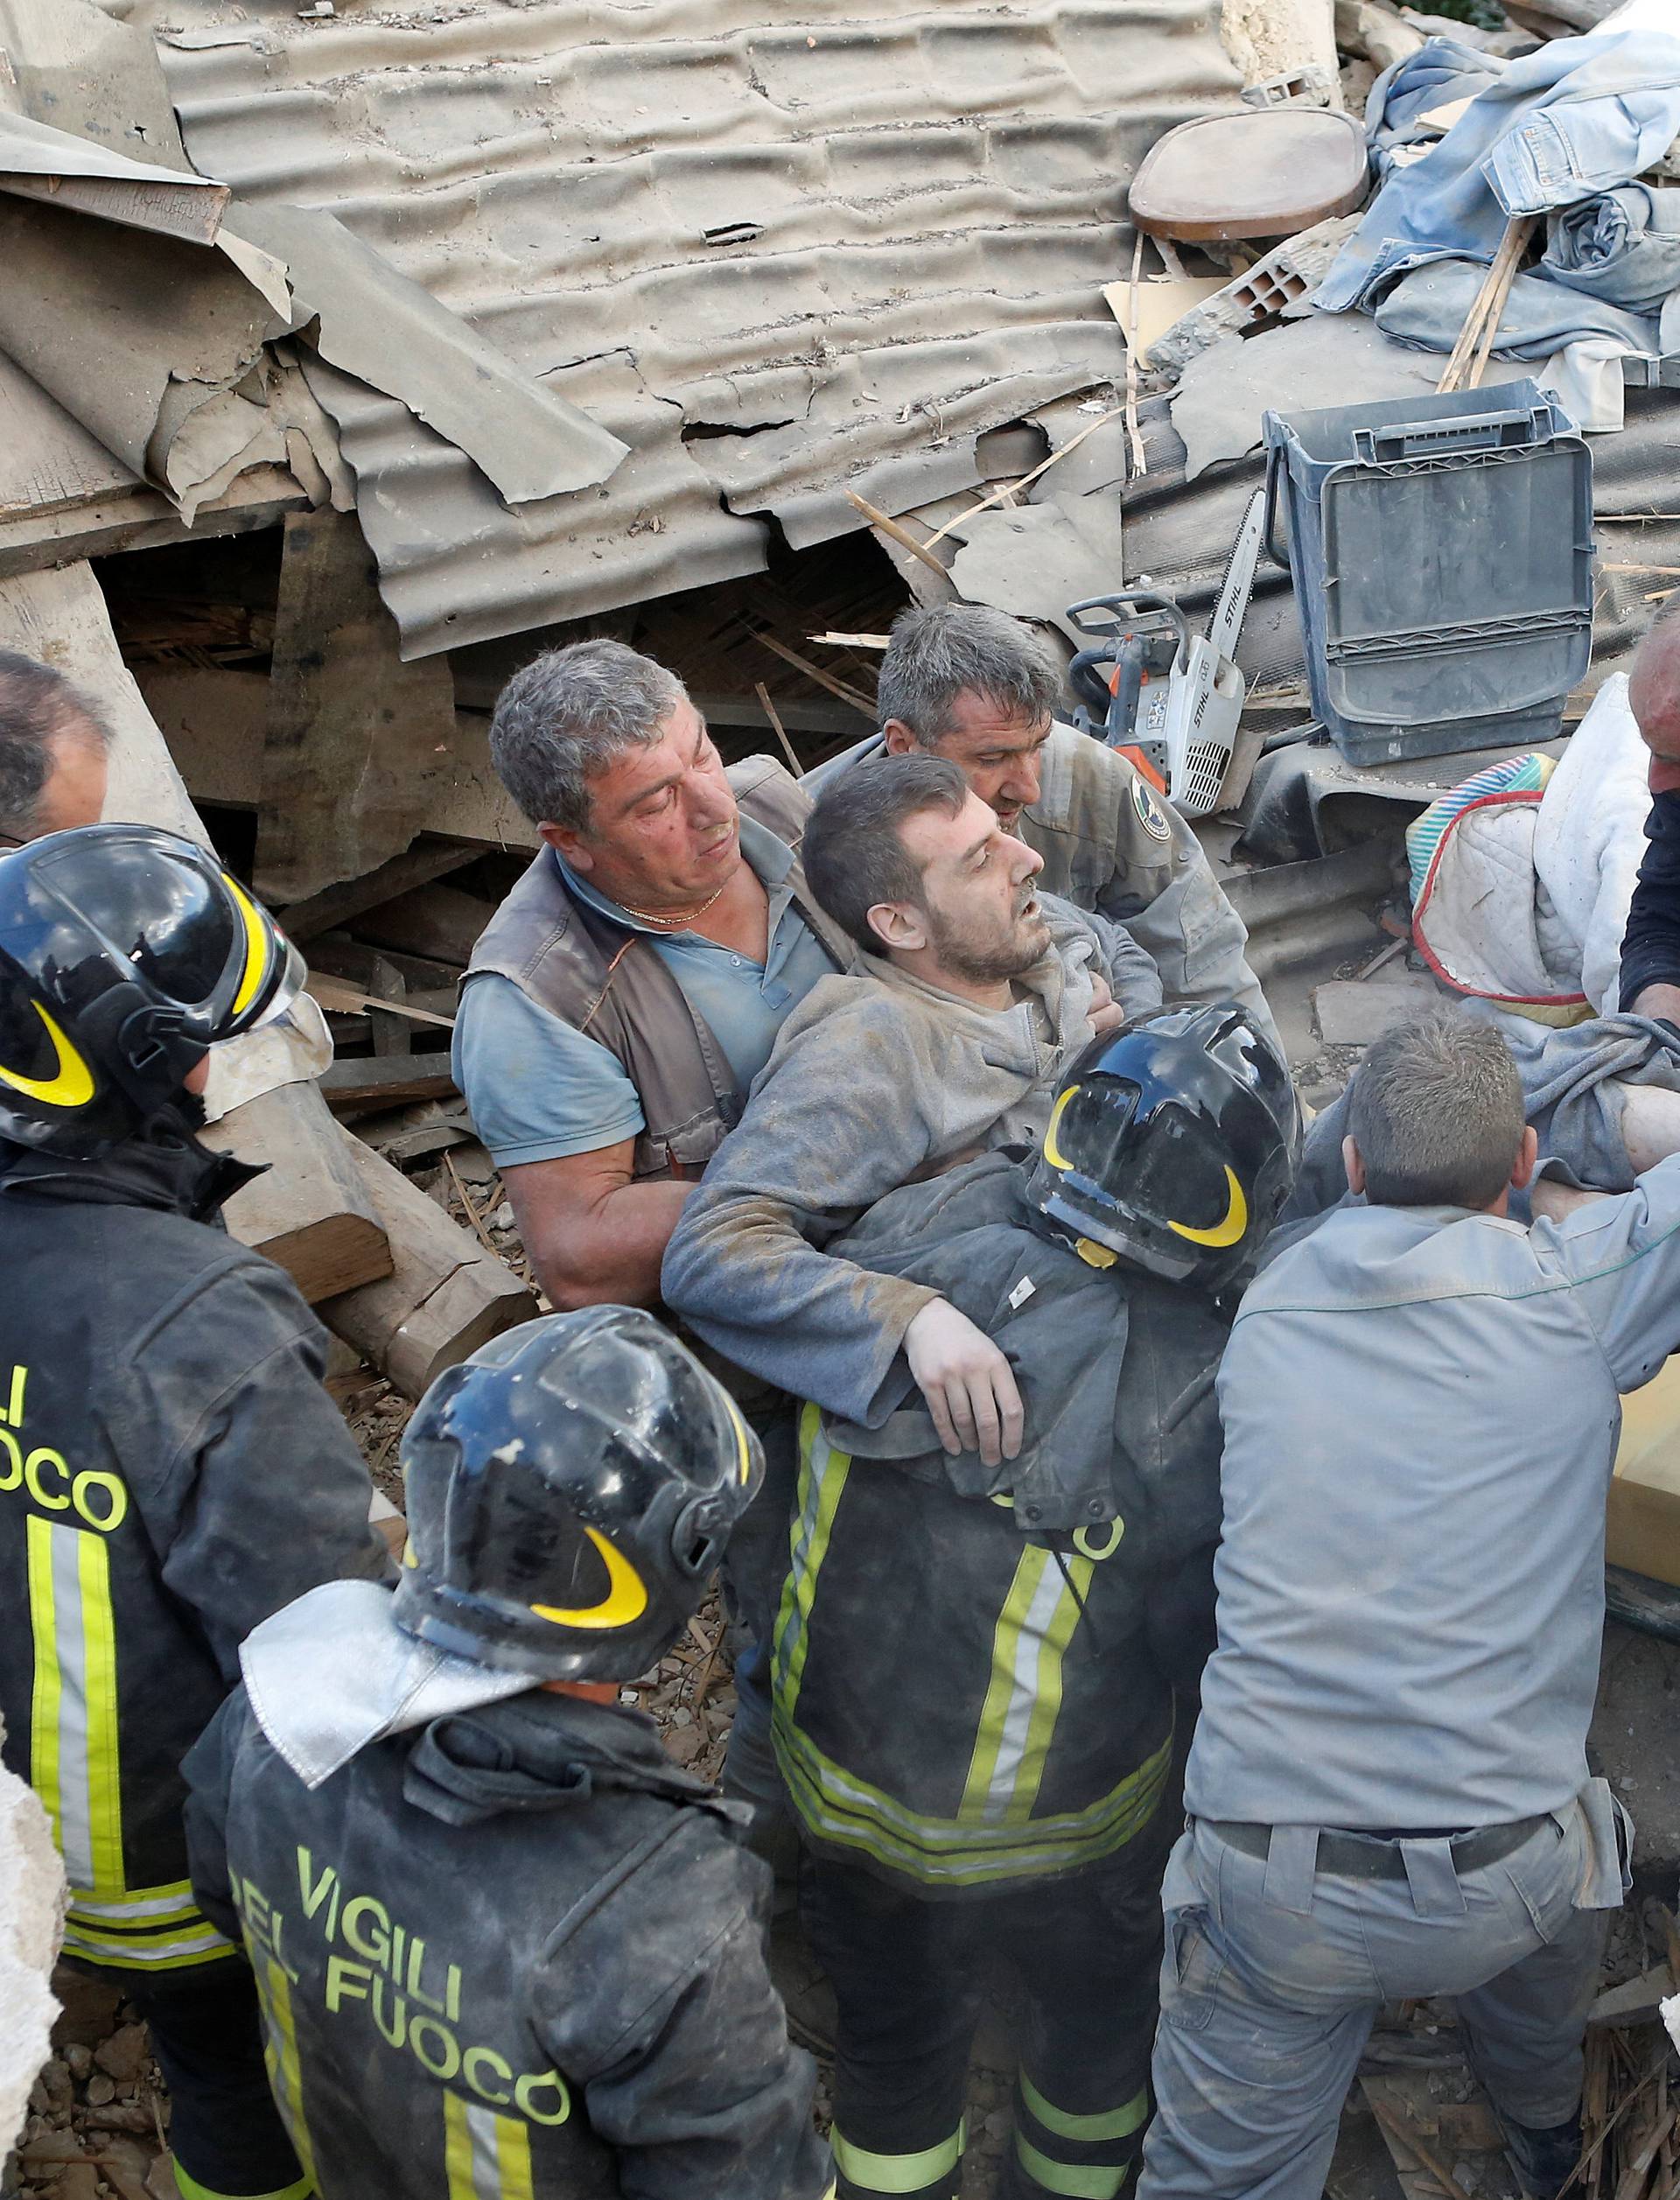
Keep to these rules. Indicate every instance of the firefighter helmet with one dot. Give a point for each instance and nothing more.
(125, 953)
(571, 1487)
(1172, 1145)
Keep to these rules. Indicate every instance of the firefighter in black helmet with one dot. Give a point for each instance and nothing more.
(976, 1668)
(170, 1469)
(506, 1950)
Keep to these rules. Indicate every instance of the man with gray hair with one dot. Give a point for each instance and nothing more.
(1388, 1791)
(623, 999)
(977, 686)
(53, 752)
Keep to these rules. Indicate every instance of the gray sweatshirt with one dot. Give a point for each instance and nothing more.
(1421, 1410)
(875, 1079)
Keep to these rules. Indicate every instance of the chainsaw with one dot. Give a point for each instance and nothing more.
(1170, 700)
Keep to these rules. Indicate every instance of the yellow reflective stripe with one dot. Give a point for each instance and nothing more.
(514, 2158)
(822, 1471)
(99, 1684)
(257, 948)
(841, 1808)
(458, 2150)
(43, 1703)
(116, 1955)
(74, 1764)
(1047, 1697)
(1088, 2131)
(485, 2157)
(285, 2079)
(898, 2173)
(1094, 2182)
(1000, 1692)
(156, 1905)
(70, 1084)
(191, 2189)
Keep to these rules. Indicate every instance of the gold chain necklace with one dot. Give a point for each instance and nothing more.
(651, 916)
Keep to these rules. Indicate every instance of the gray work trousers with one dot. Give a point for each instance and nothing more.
(1275, 1971)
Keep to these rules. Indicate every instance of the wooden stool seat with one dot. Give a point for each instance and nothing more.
(1267, 174)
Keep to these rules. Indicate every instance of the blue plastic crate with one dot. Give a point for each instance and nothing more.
(1441, 549)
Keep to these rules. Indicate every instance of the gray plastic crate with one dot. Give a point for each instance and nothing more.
(1441, 549)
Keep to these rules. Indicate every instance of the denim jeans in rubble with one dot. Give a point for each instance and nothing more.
(1274, 1973)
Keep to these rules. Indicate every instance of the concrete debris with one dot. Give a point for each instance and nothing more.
(1280, 279)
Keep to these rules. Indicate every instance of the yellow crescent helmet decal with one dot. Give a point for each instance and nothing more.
(1052, 1152)
(742, 1447)
(70, 1084)
(626, 1598)
(257, 948)
(1223, 1233)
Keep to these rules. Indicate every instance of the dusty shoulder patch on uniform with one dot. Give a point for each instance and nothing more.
(1151, 816)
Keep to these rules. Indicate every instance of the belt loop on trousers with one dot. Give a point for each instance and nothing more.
(1433, 1878)
(1291, 1860)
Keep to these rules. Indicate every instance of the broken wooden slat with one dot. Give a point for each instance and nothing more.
(444, 1297)
(350, 1001)
(309, 1211)
(352, 728)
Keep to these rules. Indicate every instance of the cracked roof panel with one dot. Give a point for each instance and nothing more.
(779, 259)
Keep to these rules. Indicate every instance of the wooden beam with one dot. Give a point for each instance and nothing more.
(309, 1210)
(142, 519)
(336, 907)
(386, 1081)
(351, 726)
(441, 922)
(445, 1295)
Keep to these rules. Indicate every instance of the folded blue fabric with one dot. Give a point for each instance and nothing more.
(1426, 309)
(1623, 246)
(1577, 117)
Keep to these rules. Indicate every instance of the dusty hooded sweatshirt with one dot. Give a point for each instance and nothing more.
(509, 1951)
(875, 1079)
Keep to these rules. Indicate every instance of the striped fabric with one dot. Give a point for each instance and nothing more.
(485, 2157)
(1515, 775)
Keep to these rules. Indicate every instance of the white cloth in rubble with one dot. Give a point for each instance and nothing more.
(1590, 836)
(1527, 900)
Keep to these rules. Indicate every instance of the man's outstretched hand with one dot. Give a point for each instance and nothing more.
(967, 1383)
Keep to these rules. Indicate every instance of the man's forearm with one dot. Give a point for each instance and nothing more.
(743, 1276)
(610, 1257)
(1650, 942)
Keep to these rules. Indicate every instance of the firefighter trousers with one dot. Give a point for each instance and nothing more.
(910, 1976)
(224, 2133)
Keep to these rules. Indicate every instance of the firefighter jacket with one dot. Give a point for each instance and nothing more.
(512, 1952)
(171, 1472)
(967, 1695)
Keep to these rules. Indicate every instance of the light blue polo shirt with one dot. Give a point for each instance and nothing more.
(539, 1089)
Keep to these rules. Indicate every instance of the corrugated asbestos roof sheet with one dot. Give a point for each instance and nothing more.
(777, 260)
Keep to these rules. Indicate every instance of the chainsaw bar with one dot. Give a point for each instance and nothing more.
(1232, 608)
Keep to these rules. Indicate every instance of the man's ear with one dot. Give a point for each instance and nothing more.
(898, 737)
(1527, 1155)
(900, 928)
(1353, 1161)
(569, 846)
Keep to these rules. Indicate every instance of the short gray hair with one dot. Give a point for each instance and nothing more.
(38, 706)
(1436, 1110)
(852, 851)
(939, 652)
(567, 715)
